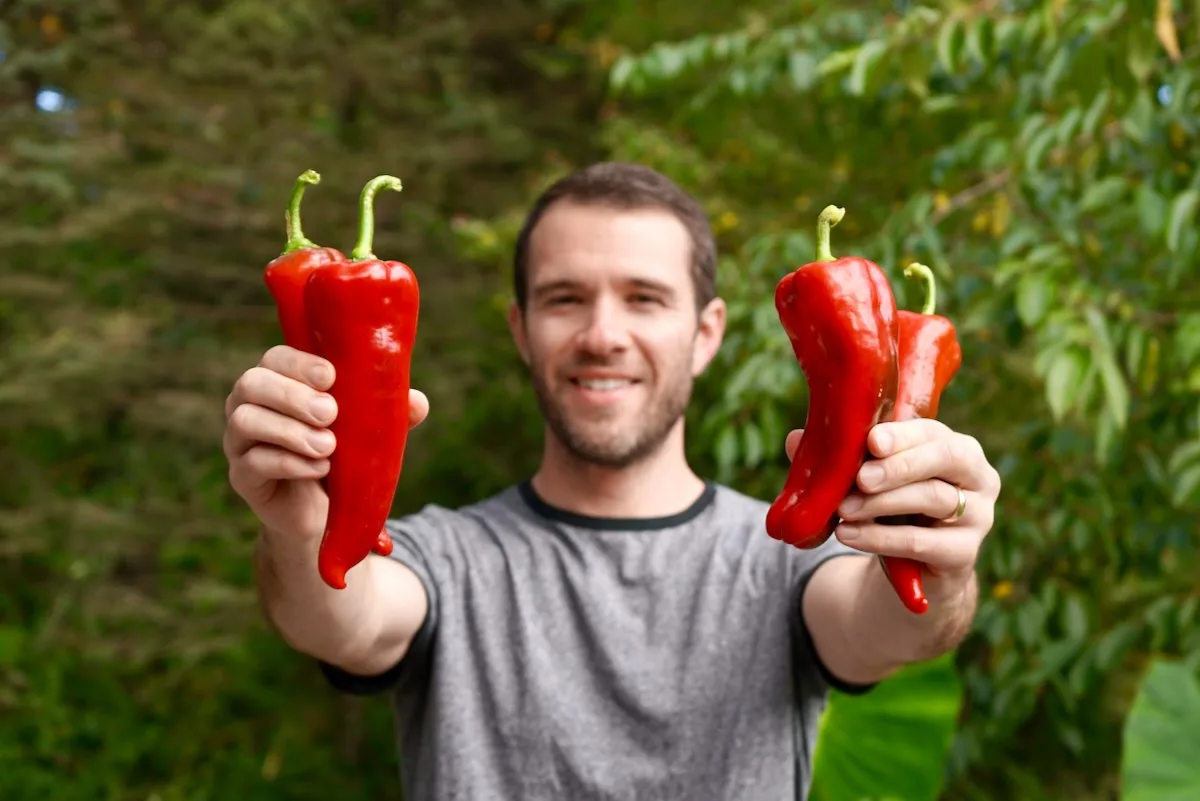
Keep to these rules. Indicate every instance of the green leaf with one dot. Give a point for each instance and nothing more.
(1159, 740)
(1064, 379)
(950, 43)
(1185, 485)
(1183, 210)
(752, 445)
(1152, 209)
(726, 449)
(1116, 391)
(866, 65)
(802, 70)
(1183, 456)
(1034, 297)
(1103, 193)
(892, 742)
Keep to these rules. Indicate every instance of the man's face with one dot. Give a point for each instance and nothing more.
(610, 331)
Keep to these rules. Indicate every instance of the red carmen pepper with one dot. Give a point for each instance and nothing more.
(840, 316)
(286, 277)
(363, 312)
(930, 355)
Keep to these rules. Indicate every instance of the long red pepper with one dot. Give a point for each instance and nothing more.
(363, 314)
(840, 316)
(286, 277)
(930, 355)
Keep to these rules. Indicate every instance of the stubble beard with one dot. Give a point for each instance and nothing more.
(631, 443)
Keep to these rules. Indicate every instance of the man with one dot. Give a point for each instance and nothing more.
(614, 627)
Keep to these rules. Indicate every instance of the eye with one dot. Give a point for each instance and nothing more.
(560, 300)
(642, 299)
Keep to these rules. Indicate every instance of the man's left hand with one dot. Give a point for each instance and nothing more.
(922, 467)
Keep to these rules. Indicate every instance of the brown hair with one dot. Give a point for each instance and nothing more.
(625, 186)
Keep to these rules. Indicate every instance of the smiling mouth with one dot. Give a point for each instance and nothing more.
(603, 384)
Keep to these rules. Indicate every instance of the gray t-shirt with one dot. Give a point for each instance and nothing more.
(572, 658)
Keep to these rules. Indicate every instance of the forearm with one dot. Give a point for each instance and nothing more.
(344, 627)
(865, 634)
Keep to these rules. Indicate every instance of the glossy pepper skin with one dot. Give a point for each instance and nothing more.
(930, 355)
(840, 316)
(286, 277)
(363, 315)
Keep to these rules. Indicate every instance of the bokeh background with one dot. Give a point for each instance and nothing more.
(1040, 155)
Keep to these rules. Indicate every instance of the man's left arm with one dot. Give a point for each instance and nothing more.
(859, 627)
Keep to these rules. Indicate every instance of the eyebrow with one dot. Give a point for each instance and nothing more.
(550, 287)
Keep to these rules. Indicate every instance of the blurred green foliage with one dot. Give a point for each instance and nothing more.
(1039, 155)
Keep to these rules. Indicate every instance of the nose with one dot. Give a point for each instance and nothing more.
(606, 331)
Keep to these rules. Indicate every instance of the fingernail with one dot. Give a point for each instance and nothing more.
(883, 442)
(850, 506)
(870, 475)
(321, 441)
(848, 531)
(322, 407)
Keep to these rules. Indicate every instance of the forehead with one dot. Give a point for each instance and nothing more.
(577, 242)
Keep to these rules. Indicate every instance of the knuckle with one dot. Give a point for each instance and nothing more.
(276, 355)
(918, 544)
(939, 494)
(241, 419)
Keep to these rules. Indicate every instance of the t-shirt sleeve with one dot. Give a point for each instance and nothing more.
(414, 539)
(808, 660)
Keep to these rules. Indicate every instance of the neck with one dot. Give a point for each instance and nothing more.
(661, 484)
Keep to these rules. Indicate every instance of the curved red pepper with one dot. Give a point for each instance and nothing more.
(840, 316)
(930, 355)
(363, 314)
(288, 274)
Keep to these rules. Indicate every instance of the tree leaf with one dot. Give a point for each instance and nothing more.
(892, 742)
(1182, 214)
(1064, 379)
(866, 63)
(1103, 193)
(1160, 735)
(1034, 297)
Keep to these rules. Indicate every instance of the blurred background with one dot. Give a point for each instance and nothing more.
(1040, 156)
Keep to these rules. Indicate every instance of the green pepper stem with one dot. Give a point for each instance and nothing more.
(830, 216)
(916, 270)
(366, 215)
(296, 239)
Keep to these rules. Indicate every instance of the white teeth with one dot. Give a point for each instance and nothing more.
(604, 385)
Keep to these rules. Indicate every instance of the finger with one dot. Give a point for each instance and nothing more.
(933, 498)
(250, 425)
(263, 387)
(264, 463)
(885, 439)
(418, 407)
(306, 368)
(955, 458)
(941, 548)
(792, 442)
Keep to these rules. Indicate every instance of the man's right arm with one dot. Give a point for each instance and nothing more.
(278, 442)
(364, 629)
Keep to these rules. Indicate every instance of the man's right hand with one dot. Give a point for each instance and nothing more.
(277, 439)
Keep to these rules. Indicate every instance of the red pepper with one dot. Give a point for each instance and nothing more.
(286, 277)
(840, 316)
(363, 316)
(930, 355)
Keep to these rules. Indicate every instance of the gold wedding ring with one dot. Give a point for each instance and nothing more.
(959, 510)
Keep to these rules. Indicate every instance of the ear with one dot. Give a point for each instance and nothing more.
(709, 334)
(516, 326)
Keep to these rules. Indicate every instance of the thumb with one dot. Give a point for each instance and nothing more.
(792, 442)
(418, 407)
